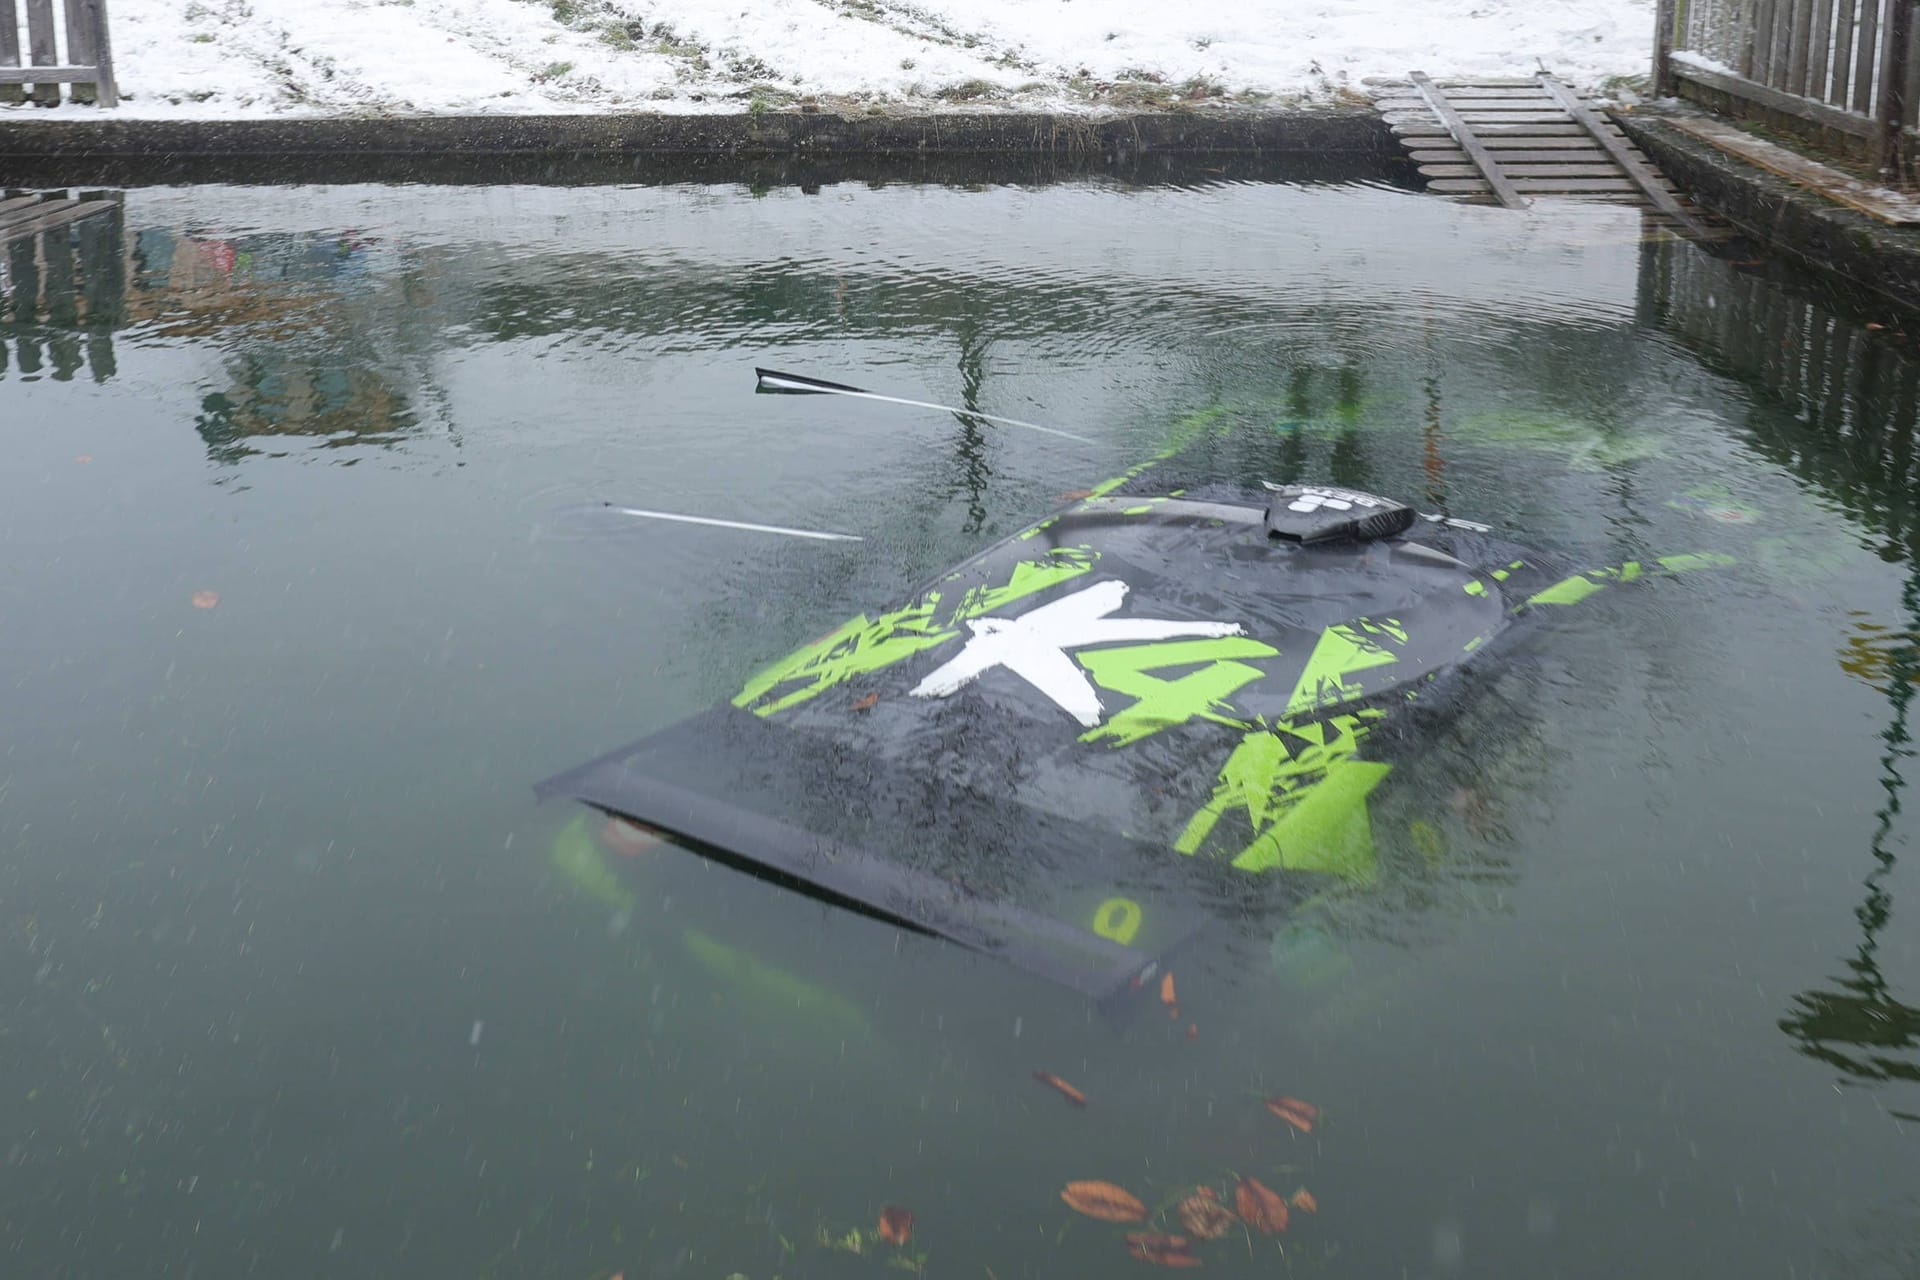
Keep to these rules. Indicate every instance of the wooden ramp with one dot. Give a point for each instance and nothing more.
(1508, 140)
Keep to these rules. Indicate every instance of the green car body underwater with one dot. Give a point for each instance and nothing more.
(1091, 743)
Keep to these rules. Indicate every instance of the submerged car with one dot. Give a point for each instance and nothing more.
(1093, 741)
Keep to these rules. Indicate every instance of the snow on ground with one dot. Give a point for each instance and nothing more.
(237, 58)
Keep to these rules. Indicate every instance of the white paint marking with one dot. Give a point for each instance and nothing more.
(1033, 646)
(739, 524)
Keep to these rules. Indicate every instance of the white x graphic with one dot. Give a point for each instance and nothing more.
(1033, 646)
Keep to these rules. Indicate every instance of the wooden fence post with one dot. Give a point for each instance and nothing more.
(1666, 15)
(95, 20)
(1890, 112)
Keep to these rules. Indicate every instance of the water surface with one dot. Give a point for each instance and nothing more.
(294, 986)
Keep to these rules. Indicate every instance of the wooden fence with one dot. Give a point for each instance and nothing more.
(63, 283)
(75, 52)
(1843, 72)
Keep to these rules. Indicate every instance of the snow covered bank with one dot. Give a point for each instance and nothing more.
(241, 58)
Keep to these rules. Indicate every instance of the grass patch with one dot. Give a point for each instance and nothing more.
(968, 91)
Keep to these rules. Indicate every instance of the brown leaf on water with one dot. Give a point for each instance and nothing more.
(1261, 1206)
(1301, 1115)
(1161, 1250)
(896, 1224)
(1067, 1091)
(1202, 1214)
(1075, 495)
(1104, 1201)
(1303, 1201)
(866, 703)
(1167, 996)
(205, 599)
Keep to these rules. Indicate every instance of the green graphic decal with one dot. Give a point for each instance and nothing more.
(1161, 704)
(1342, 650)
(1183, 433)
(578, 861)
(1574, 589)
(866, 644)
(1304, 795)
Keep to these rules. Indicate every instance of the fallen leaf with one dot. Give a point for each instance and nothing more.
(205, 599)
(1075, 495)
(1104, 1201)
(867, 702)
(1300, 1115)
(1161, 1250)
(1067, 1091)
(896, 1224)
(1261, 1206)
(1193, 1031)
(1167, 996)
(1874, 325)
(1303, 1201)
(1204, 1215)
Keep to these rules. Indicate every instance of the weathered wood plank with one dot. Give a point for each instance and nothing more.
(48, 75)
(1879, 202)
(1510, 158)
(79, 46)
(1798, 27)
(1819, 63)
(105, 85)
(1463, 134)
(1518, 93)
(1803, 108)
(10, 50)
(11, 203)
(48, 213)
(1542, 186)
(1484, 117)
(1419, 129)
(1863, 56)
(1846, 20)
(1519, 171)
(1536, 102)
(24, 266)
(41, 51)
(1759, 66)
(56, 251)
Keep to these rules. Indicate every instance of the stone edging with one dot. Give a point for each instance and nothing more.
(1789, 219)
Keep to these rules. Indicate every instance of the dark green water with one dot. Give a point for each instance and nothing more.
(291, 985)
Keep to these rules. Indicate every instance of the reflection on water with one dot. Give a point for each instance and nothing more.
(301, 982)
(1852, 413)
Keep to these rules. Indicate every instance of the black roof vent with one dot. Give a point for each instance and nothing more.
(1307, 513)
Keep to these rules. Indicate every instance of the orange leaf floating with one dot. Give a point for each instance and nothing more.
(866, 703)
(1303, 1201)
(1300, 1115)
(1067, 1091)
(205, 599)
(1104, 1201)
(896, 1224)
(1261, 1206)
(1167, 996)
(1161, 1250)
(1204, 1215)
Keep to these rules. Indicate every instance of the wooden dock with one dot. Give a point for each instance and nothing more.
(1509, 140)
